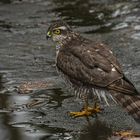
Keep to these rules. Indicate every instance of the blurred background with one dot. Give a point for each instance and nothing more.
(34, 102)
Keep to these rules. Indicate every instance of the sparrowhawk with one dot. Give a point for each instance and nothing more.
(91, 68)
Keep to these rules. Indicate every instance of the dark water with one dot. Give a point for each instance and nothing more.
(25, 55)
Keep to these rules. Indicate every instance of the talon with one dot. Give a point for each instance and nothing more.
(83, 113)
(89, 111)
(94, 110)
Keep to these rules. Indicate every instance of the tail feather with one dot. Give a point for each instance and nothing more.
(126, 94)
(131, 103)
(123, 86)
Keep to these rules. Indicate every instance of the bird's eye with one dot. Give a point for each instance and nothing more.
(57, 31)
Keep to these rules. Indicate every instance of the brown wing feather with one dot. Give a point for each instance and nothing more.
(108, 54)
(92, 64)
(95, 54)
(87, 65)
(100, 56)
(123, 86)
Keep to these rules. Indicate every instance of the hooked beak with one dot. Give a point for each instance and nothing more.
(48, 35)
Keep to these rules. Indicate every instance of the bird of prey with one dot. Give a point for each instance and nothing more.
(90, 67)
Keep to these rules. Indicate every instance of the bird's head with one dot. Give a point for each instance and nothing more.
(59, 32)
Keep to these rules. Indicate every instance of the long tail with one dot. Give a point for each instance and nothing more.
(130, 103)
(126, 94)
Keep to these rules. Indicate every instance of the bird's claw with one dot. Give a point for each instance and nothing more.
(88, 111)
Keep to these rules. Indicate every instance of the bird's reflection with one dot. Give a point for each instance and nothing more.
(6, 131)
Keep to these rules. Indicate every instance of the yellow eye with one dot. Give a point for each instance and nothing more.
(57, 31)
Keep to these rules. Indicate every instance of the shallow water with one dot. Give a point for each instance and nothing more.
(25, 55)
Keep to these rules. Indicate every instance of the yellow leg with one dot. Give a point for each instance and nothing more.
(87, 111)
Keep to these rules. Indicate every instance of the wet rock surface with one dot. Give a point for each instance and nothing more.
(27, 62)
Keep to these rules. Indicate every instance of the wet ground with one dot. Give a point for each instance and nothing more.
(26, 57)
